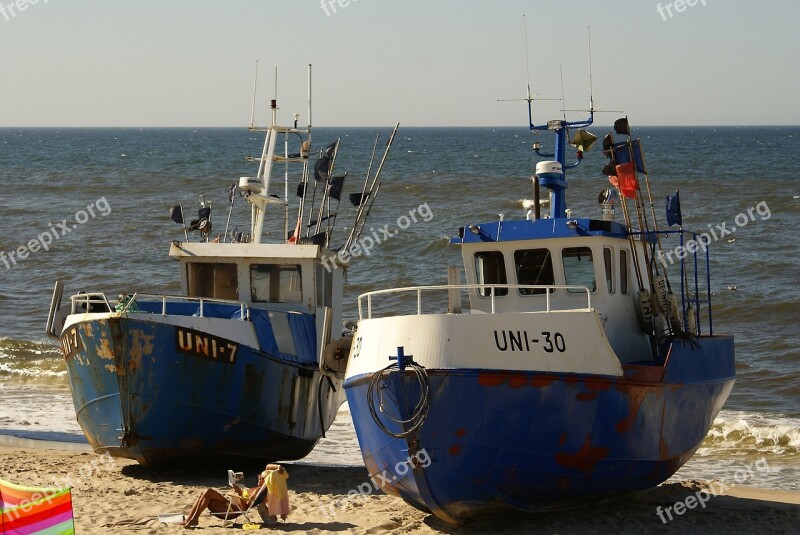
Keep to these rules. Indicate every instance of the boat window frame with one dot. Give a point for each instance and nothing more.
(624, 271)
(593, 286)
(480, 277)
(535, 291)
(209, 280)
(608, 265)
(276, 291)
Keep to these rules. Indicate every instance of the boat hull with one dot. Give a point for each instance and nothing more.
(157, 392)
(537, 441)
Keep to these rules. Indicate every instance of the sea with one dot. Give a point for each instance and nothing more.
(91, 207)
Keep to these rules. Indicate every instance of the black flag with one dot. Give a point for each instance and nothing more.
(176, 214)
(622, 127)
(357, 199)
(323, 166)
(335, 187)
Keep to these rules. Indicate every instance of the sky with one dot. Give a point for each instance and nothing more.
(78, 63)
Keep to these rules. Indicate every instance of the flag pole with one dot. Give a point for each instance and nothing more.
(231, 197)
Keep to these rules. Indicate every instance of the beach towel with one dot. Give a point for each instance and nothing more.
(278, 493)
(27, 510)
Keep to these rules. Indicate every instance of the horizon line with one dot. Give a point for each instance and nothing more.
(153, 127)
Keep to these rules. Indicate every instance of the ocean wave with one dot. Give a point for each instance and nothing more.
(753, 433)
(23, 361)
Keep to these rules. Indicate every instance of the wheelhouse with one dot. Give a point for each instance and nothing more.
(288, 278)
(542, 265)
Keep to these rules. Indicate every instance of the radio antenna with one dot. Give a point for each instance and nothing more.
(563, 103)
(253, 110)
(591, 82)
(527, 60)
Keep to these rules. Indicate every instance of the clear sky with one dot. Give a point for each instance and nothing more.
(376, 62)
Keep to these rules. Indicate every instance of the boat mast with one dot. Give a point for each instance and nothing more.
(557, 182)
(260, 199)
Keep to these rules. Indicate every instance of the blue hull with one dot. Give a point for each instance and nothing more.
(138, 396)
(536, 441)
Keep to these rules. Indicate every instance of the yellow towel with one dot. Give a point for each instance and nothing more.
(278, 493)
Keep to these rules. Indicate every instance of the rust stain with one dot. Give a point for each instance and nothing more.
(141, 346)
(562, 439)
(490, 379)
(517, 381)
(636, 397)
(460, 432)
(585, 458)
(105, 350)
(593, 388)
(540, 381)
(454, 450)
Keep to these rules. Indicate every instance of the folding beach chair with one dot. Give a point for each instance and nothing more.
(229, 517)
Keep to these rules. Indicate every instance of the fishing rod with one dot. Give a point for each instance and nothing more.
(374, 188)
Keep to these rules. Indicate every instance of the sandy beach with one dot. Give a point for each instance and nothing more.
(117, 496)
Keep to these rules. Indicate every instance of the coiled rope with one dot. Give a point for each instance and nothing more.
(420, 412)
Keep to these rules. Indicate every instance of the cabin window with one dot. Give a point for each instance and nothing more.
(490, 268)
(213, 281)
(578, 268)
(608, 261)
(534, 267)
(273, 283)
(623, 272)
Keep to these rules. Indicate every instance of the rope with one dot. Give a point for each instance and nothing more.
(420, 412)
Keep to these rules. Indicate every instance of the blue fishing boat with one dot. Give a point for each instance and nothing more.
(248, 361)
(576, 369)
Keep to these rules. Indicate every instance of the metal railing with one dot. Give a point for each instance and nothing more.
(91, 301)
(492, 290)
(244, 309)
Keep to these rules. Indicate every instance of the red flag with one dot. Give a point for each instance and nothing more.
(626, 173)
(295, 234)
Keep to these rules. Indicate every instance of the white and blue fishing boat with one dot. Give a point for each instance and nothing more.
(249, 360)
(576, 369)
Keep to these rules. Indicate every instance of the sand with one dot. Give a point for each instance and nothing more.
(118, 496)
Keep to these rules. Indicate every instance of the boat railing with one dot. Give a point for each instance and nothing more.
(489, 290)
(98, 302)
(130, 304)
(90, 302)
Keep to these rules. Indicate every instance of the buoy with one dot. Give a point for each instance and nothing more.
(691, 319)
(645, 311)
(337, 353)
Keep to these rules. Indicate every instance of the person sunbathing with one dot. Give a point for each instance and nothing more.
(229, 508)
